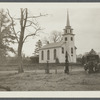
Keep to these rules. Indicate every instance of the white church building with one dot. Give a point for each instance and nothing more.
(58, 50)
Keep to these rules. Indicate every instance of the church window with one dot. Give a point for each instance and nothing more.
(65, 38)
(62, 49)
(54, 53)
(71, 38)
(71, 50)
(48, 55)
(42, 55)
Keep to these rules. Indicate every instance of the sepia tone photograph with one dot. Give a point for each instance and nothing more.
(49, 47)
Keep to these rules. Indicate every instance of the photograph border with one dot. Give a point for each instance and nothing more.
(69, 95)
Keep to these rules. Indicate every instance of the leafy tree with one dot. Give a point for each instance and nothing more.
(38, 46)
(26, 22)
(6, 35)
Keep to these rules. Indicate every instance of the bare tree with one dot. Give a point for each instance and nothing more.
(26, 22)
(55, 36)
(45, 41)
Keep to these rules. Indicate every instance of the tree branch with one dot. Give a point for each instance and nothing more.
(33, 34)
(12, 22)
(25, 18)
(38, 16)
(29, 25)
(32, 16)
(32, 22)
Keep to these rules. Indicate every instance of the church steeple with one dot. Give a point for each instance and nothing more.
(68, 28)
(68, 22)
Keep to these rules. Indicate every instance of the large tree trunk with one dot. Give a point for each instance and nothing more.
(20, 65)
(21, 39)
(20, 44)
(20, 62)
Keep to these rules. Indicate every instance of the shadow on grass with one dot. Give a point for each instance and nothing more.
(5, 88)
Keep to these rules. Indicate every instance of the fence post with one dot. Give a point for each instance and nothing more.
(47, 67)
(66, 64)
(57, 62)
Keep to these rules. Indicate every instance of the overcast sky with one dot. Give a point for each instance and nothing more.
(84, 19)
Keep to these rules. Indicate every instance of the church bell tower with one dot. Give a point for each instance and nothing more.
(68, 38)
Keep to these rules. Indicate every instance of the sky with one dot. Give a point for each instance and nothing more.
(84, 19)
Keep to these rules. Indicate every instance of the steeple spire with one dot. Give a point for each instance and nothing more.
(68, 22)
(68, 28)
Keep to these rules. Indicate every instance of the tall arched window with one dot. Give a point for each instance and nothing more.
(54, 53)
(65, 38)
(62, 49)
(71, 50)
(71, 38)
(42, 55)
(48, 55)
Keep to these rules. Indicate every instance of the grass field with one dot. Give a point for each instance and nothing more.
(37, 80)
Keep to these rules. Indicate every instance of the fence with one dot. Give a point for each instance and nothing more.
(30, 66)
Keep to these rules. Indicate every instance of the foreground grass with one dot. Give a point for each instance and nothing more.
(77, 80)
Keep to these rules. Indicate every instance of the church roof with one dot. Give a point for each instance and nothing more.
(53, 45)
